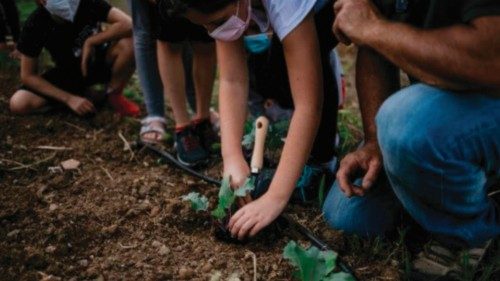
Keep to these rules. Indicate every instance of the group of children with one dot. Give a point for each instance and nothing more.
(279, 50)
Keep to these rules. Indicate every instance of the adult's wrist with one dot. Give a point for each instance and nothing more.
(375, 33)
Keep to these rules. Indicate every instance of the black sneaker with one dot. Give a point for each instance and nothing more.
(190, 152)
(208, 138)
(436, 262)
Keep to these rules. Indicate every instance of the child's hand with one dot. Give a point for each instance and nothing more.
(80, 106)
(239, 171)
(253, 217)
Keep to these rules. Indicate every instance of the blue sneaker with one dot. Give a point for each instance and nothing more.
(190, 152)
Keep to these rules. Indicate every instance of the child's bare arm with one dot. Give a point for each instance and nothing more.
(31, 78)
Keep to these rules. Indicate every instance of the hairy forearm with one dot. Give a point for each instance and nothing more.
(46, 88)
(459, 57)
(376, 79)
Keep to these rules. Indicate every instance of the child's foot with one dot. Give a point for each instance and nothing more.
(206, 134)
(123, 106)
(153, 130)
(190, 152)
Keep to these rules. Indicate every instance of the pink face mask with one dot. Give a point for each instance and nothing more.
(234, 27)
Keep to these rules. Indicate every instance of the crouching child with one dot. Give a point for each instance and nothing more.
(83, 54)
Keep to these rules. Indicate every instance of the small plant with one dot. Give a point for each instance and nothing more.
(313, 264)
(226, 198)
(199, 202)
(225, 203)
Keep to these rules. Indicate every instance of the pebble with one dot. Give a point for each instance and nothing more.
(13, 233)
(52, 207)
(155, 211)
(50, 249)
(185, 273)
(207, 267)
(156, 244)
(83, 262)
(164, 250)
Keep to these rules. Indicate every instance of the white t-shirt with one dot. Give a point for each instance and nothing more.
(286, 15)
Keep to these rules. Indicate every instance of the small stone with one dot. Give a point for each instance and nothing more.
(156, 244)
(100, 278)
(52, 207)
(70, 164)
(185, 273)
(154, 211)
(50, 249)
(83, 262)
(13, 233)
(164, 250)
(207, 267)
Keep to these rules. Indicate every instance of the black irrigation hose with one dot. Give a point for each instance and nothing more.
(283, 217)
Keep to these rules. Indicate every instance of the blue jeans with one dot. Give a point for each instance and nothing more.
(441, 155)
(145, 57)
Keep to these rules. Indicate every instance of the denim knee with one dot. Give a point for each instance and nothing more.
(373, 215)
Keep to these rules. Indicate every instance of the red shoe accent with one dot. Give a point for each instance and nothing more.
(123, 106)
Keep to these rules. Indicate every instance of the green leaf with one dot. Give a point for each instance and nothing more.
(198, 202)
(248, 139)
(312, 264)
(321, 192)
(226, 199)
(246, 188)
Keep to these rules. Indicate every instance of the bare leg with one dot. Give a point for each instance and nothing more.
(121, 55)
(204, 60)
(24, 102)
(172, 76)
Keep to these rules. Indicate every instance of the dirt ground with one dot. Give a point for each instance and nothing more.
(119, 216)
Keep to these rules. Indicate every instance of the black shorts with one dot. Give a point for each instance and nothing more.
(71, 79)
(179, 29)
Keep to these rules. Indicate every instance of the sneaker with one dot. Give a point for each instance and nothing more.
(437, 262)
(122, 105)
(190, 152)
(209, 139)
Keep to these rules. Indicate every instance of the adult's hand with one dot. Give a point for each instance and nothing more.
(87, 51)
(354, 19)
(80, 106)
(367, 159)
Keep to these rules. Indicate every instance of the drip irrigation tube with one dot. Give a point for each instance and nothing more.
(284, 218)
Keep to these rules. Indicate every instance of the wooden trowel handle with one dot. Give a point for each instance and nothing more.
(261, 126)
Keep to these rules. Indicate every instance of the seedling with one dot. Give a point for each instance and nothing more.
(313, 264)
(199, 202)
(222, 213)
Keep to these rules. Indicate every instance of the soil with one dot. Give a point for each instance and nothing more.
(119, 215)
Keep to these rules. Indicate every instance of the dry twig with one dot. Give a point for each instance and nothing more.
(75, 126)
(254, 258)
(30, 166)
(107, 173)
(127, 146)
(55, 148)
